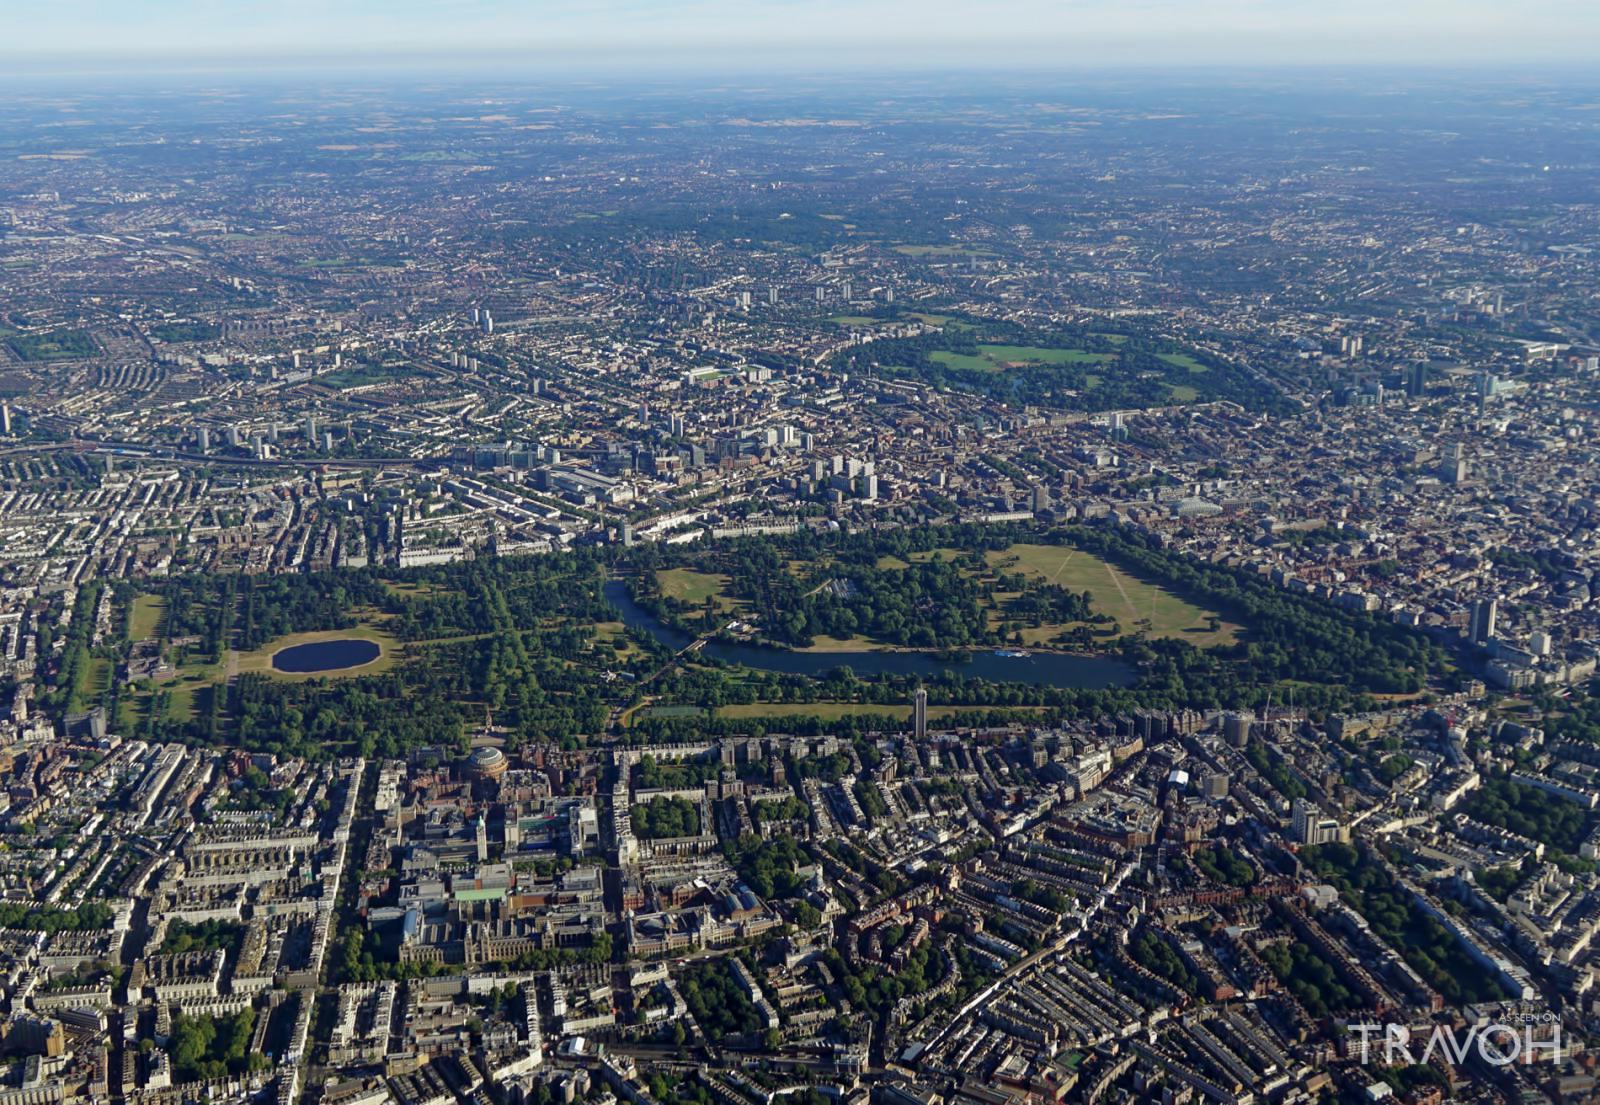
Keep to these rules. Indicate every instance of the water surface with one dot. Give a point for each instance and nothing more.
(350, 652)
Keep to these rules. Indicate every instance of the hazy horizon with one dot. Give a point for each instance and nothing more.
(755, 35)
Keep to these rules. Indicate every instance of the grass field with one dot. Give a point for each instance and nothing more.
(946, 554)
(1135, 603)
(1033, 636)
(362, 376)
(192, 679)
(606, 634)
(144, 619)
(260, 660)
(415, 590)
(824, 643)
(93, 681)
(181, 703)
(693, 588)
(994, 358)
(1183, 360)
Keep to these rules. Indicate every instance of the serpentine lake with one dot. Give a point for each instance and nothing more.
(1052, 669)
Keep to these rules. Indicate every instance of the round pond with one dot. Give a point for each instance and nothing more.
(322, 656)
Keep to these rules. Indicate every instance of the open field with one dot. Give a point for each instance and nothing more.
(1183, 360)
(181, 690)
(1033, 636)
(945, 553)
(693, 588)
(994, 358)
(1135, 603)
(144, 619)
(607, 634)
(824, 643)
(94, 680)
(260, 660)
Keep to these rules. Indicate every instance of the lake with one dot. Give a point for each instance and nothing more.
(350, 652)
(1052, 669)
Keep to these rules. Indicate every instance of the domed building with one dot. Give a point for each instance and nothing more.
(487, 763)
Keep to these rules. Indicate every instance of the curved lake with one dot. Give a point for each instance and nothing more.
(326, 656)
(1053, 669)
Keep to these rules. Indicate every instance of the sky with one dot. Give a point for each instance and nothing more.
(59, 35)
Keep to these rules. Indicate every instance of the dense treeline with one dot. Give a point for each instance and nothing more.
(272, 606)
(1335, 658)
(1155, 955)
(878, 991)
(1528, 811)
(663, 817)
(930, 603)
(1425, 943)
(1289, 636)
(208, 935)
(512, 637)
(214, 1047)
(52, 919)
(769, 867)
(1310, 978)
(1224, 865)
(382, 715)
(719, 1004)
(69, 687)
(1578, 719)
(495, 594)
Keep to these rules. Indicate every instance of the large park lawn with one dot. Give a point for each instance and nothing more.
(1135, 603)
(693, 588)
(994, 358)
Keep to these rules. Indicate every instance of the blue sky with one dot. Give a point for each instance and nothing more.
(693, 33)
